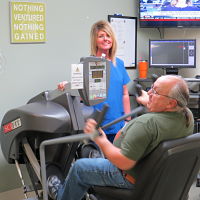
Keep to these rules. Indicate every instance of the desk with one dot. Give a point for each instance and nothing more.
(194, 101)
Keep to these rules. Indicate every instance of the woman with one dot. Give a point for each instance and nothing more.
(103, 43)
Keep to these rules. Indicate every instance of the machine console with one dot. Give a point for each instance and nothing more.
(96, 73)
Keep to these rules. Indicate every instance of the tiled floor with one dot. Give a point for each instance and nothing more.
(17, 194)
(194, 193)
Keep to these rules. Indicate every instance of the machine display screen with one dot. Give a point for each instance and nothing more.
(97, 80)
(97, 89)
(97, 74)
(97, 67)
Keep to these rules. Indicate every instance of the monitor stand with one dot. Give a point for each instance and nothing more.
(172, 71)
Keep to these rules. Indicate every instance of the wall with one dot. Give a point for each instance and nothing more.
(32, 68)
(29, 69)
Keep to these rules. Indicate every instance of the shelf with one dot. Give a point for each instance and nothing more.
(150, 79)
(194, 95)
(192, 79)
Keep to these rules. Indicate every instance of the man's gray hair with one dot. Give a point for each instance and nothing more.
(180, 92)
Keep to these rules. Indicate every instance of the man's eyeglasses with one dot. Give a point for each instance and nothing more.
(153, 91)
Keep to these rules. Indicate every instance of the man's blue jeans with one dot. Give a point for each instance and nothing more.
(87, 172)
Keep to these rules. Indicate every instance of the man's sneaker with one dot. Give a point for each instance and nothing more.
(53, 184)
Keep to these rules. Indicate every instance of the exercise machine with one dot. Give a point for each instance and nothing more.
(45, 134)
(50, 115)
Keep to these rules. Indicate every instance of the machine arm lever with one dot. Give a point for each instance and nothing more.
(138, 89)
(132, 113)
(99, 115)
(154, 77)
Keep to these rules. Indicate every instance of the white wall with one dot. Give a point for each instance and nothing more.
(32, 68)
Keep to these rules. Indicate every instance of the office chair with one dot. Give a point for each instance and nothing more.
(166, 173)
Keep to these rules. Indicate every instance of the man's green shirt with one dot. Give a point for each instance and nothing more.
(141, 135)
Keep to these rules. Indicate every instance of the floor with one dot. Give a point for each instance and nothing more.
(194, 193)
(17, 194)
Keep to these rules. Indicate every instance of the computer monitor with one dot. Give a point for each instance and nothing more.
(172, 54)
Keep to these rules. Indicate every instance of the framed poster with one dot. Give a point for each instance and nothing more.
(27, 22)
(126, 32)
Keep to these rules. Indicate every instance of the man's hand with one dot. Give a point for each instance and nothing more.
(111, 152)
(90, 128)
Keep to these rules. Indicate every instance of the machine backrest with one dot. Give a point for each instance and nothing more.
(166, 173)
(169, 171)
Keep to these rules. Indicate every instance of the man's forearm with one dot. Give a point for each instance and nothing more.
(114, 154)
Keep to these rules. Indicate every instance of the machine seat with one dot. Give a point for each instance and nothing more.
(166, 173)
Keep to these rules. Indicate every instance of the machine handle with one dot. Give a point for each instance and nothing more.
(99, 115)
(154, 77)
(136, 111)
(138, 89)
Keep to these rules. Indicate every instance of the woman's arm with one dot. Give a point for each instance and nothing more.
(61, 85)
(126, 101)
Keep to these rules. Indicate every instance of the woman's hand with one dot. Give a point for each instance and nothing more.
(61, 85)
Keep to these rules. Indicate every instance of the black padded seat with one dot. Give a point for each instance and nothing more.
(167, 173)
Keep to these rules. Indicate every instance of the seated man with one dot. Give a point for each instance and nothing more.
(168, 118)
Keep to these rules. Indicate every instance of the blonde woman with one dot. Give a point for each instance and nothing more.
(103, 43)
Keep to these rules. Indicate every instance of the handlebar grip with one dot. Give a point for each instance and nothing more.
(101, 115)
(138, 88)
(154, 77)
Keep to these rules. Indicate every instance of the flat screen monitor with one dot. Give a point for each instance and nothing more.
(172, 54)
(169, 13)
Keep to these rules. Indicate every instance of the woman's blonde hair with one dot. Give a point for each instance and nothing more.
(103, 26)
